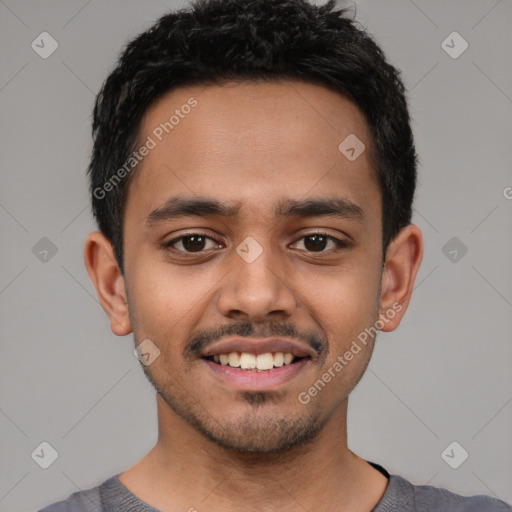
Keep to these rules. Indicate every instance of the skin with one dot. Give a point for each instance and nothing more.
(220, 448)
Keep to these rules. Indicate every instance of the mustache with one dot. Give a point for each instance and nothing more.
(199, 341)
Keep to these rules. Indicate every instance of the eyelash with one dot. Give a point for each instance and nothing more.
(340, 244)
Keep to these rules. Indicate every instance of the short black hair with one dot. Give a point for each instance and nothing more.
(214, 41)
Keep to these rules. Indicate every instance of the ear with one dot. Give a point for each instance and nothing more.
(403, 259)
(108, 280)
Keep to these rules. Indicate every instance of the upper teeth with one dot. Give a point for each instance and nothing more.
(248, 361)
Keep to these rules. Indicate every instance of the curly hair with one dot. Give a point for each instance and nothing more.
(214, 41)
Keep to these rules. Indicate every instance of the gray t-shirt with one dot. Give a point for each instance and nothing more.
(400, 496)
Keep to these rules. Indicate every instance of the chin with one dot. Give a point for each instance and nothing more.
(255, 433)
(256, 425)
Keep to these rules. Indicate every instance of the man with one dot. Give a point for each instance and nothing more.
(252, 176)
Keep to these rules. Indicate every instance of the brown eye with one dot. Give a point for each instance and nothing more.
(315, 242)
(318, 242)
(195, 242)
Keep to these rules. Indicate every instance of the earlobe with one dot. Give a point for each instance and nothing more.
(108, 280)
(403, 259)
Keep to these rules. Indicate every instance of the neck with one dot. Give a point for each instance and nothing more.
(185, 470)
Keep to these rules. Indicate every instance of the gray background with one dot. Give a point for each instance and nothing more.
(443, 376)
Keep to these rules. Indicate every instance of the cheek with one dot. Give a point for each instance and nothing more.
(347, 320)
(164, 298)
(344, 298)
(345, 304)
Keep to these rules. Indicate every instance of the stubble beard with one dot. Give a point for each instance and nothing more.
(259, 432)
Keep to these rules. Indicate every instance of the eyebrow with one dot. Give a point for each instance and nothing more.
(176, 207)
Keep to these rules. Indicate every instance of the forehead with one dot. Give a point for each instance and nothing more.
(253, 143)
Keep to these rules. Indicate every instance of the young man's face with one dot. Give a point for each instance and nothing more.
(256, 274)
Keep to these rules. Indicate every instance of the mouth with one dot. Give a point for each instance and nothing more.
(257, 365)
(247, 361)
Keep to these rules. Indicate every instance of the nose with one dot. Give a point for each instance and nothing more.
(256, 291)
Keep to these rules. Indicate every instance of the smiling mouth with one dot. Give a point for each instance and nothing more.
(255, 362)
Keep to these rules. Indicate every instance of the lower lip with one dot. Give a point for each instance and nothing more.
(248, 380)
